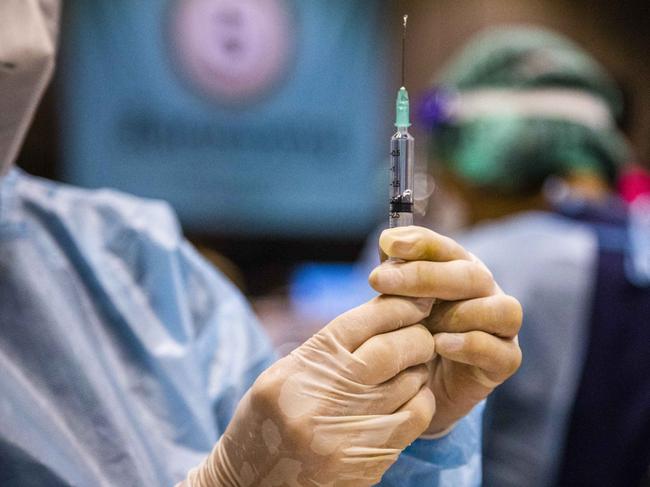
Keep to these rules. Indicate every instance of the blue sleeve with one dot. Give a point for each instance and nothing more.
(232, 348)
(451, 461)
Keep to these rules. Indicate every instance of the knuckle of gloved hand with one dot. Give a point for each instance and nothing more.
(511, 313)
(476, 346)
(379, 361)
(422, 343)
(408, 243)
(480, 277)
(514, 361)
(265, 390)
(408, 249)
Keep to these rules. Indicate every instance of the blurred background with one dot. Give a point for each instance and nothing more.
(266, 124)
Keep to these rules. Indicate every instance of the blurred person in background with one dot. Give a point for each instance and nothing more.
(524, 128)
(126, 359)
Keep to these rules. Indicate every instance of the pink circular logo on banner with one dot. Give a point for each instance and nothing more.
(232, 50)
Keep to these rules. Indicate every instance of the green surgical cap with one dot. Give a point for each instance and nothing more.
(554, 111)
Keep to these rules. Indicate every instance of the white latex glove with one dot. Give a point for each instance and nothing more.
(474, 323)
(338, 410)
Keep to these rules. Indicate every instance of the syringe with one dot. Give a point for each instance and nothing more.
(402, 157)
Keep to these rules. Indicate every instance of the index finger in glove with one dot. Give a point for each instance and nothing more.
(419, 243)
(379, 315)
(451, 281)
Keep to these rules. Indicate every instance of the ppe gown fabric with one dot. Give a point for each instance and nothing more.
(548, 262)
(123, 354)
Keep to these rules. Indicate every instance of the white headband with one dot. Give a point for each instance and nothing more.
(552, 103)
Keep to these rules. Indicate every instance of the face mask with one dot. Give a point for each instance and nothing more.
(28, 31)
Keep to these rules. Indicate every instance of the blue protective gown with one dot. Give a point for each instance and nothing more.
(123, 354)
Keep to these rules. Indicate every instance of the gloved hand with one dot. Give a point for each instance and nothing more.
(474, 323)
(338, 410)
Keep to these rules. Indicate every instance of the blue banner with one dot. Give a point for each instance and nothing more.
(250, 117)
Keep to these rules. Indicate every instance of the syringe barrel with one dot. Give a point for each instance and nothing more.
(402, 178)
